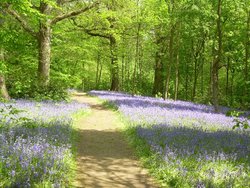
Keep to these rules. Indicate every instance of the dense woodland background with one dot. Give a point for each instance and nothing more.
(195, 50)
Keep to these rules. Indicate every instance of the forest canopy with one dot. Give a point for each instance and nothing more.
(186, 49)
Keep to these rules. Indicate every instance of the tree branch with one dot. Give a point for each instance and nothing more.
(73, 13)
(90, 31)
(23, 22)
(62, 2)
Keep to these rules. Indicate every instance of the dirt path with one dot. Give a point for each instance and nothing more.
(105, 159)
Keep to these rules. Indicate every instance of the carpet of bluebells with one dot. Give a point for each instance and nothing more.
(36, 143)
(195, 146)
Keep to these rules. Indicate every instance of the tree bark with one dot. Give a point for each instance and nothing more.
(195, 78)
(158, 76)
(197, 49)
(98, 62)
(232, 87)
(227, 75)
(171, 7)
(177, 65)
(186, 78)
(3, 90)
(44, 34)
(114, 65)
(176, 77)
(44, 47)
(171, 48)
(123, 72)
(127, 70)
(217, 59)
(246, 71)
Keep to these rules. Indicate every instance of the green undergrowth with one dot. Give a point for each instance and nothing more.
(110, 105)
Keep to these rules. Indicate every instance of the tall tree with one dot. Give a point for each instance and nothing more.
(172, 24)
(158, 86)
(246, 68)
(49, 13)
(217, 57)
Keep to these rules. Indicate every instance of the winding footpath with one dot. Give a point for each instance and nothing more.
(104, 158)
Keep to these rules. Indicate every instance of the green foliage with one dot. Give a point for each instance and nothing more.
(3, 68)
(141, 28)
(31, 90)
(11, 114)
(159, 95)
(240, 121)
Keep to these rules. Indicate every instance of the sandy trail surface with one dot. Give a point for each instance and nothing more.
(104, 157)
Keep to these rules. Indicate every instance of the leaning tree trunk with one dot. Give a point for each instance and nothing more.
(3, 90)
(114, 65)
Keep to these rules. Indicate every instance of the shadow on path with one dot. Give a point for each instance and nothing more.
(104, 157)
(109, 160)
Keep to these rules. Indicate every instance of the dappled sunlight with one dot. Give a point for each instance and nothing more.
(108, 159)
(194, 142)
(104, 157)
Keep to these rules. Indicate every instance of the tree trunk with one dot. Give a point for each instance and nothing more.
(171, 48)
(128, 61)
(3, 90)
(176, 77)
(227, 76)
(134, 80)
(44, 42)
(137, 59)
(232, 88)
(171, 7)
(83, 76)
(177, 66)
(247, 46)
(202, 77)
(158, 77)
(114, 65)
(186, 79)
(43, 36)
(217, 59)
(100, 75)
(44, 47)
(202, 67)
(123, 72)
(98, 62)
(195, 78)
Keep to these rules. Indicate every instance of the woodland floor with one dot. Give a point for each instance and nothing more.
(104, 157)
